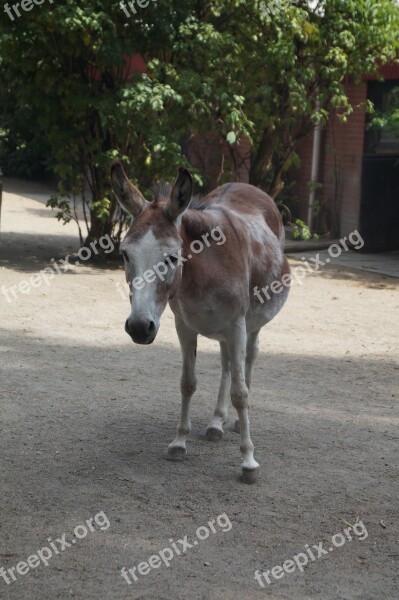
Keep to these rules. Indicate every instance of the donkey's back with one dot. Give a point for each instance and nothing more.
(248, 201)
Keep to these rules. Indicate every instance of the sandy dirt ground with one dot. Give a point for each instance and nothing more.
(86, 417)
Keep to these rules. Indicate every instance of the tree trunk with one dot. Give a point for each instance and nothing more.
(99, 226)
(270, 159)
(261, 159)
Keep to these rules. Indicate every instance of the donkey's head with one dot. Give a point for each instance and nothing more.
(151, 250)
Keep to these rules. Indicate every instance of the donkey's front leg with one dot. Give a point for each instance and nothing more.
(214, 431)
(188, 383)
(252, 353)
(236, 339)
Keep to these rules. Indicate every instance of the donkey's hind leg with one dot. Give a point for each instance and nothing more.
(214, 431)
(188, 383)
(252, 353)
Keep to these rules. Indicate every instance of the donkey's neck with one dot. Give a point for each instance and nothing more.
(196, 223)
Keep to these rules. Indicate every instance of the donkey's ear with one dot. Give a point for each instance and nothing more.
(129, 197)
(181, 194)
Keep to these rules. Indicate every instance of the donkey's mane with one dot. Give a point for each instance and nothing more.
(162, 190)
(197, 203)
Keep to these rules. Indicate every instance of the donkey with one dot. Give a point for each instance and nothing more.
(213, 292)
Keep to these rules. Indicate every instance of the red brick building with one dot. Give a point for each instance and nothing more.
(217, 160)
(358, 169)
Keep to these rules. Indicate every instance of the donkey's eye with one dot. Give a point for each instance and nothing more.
(172, 258)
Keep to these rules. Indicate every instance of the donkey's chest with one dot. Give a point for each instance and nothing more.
(206, 316)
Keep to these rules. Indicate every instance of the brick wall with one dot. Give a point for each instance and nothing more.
(342, 163)
(340, 166)
(218, 162)
(302, 175)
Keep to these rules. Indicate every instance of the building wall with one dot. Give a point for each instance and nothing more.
(342, 165)
(340, 170)
(218, 162)
(302, 175)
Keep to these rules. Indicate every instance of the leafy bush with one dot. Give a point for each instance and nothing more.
(214, 65)
(302, 231)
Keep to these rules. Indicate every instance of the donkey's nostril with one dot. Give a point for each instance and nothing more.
(127, 326)
(151, 327)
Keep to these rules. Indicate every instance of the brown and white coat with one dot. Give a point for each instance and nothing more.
(212, 293)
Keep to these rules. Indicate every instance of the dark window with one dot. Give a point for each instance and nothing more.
(385, 97)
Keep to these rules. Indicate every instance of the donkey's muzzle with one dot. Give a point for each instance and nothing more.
(141, 332)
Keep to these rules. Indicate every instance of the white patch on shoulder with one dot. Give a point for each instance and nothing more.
(254, 225)
(260, 232)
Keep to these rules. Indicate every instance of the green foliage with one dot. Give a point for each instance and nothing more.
(213, 65)
(63, 80)
(388, 120)
(302, 231)
(22, 149)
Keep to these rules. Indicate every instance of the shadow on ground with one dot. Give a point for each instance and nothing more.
(29, 253)
(72, 449)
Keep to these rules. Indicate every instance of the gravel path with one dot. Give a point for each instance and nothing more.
(87, 416)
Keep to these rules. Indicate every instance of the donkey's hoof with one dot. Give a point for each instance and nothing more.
(250, 476)
(176, 453)
(214, 434)
(236, 427)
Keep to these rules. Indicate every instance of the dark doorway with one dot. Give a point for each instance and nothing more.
(379, 209)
